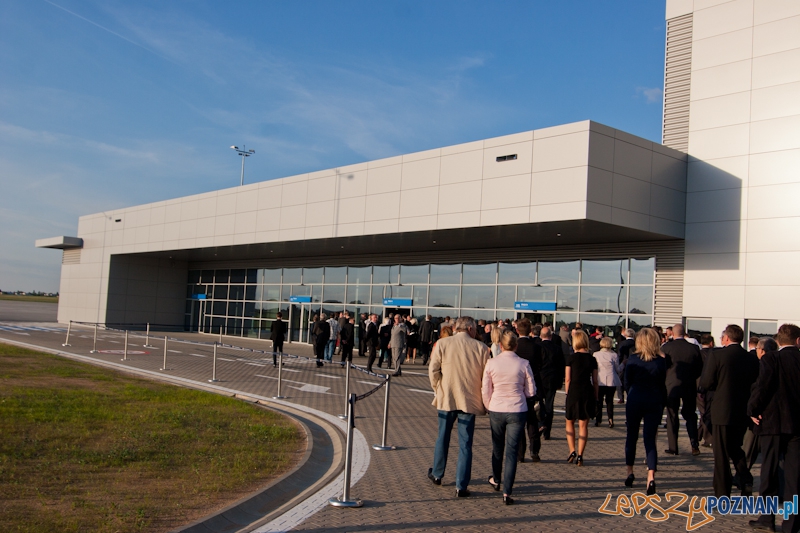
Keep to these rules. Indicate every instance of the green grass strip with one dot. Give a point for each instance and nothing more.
(83, 448)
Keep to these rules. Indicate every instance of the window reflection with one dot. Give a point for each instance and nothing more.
(413, 274)
(443, 296)
(641, 300)
(603, 299)
(606, 271)
(517, 273)
(558, 272)
(312, 275)
(567, 299)
(476, 296)
(359, 275)
(643, 271)
(536, 294)
(445, 274)
(480, 274)
(506, 296)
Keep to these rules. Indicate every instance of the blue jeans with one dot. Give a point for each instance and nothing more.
(466, 428)
(507, 433)
(329, 349)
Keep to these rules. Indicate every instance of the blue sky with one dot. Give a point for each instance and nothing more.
(110, 104)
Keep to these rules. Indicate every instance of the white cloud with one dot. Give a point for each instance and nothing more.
(652, 95)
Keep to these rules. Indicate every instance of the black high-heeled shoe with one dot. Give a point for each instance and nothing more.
(508, 500)
(579, 460)
(629, 481)
(610, 423)
(651, 488)
(572, 457)
(495, 486)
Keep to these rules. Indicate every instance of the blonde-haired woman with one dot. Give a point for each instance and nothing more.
(496, 334)
(580, 384)
(645, 376)
(507, 382)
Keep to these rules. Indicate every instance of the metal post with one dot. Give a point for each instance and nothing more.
(346, 391)
(147, 337)
(345, 500)
(69, 327)
(220, 333)
(164, 367)
(289, 325)
(125, 353)
(382, 447)
(214, 367)
(280, 377)
(94, 343)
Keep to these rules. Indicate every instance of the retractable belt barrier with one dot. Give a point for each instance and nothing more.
(350, 398)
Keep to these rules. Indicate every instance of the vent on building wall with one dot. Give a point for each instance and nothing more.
(71, 257)
(677, 81)
(511, 157)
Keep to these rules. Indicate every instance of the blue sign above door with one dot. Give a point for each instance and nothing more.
(535, 306)
(300, 299)
(397, 302)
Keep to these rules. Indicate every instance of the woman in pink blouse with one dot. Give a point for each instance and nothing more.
(507, 381)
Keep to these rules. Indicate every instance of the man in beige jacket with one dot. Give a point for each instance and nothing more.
(456, 371)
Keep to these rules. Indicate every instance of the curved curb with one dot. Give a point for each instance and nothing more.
(314, 501)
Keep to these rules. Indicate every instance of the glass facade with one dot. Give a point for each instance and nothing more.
(612, 293)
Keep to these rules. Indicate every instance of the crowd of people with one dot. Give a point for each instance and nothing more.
(749, 400)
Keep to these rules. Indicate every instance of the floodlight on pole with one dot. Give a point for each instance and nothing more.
(244, 153)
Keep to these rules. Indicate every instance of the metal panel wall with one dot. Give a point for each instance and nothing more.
(677, 83)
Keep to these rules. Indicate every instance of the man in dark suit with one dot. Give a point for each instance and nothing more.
(774, 407)
(277, 336)
(531, 352)
(347, 338)
(362, 335)
(553, 365)
(623, 351)
(704, 397)
(372, 340)
(426, 330)
(684, 366)
(730, 373)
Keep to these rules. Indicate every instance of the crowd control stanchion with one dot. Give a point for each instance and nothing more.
(69, 327)
(345, 500)
(214, 367)
(147, 337)
(125, 350)
(280, 377)
(346, 392)
(220, 334)
(94, 342)
(382, 447)
(165, 355)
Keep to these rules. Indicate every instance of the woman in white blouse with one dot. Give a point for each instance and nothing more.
(608, 379)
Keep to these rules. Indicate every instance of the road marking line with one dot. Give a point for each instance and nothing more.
(423, 391)
(178, 351)
(255, 364)
(368, 382)
(327, 376)
(223, 359)
(194, 354)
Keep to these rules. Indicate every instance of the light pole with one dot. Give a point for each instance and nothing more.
(244, 153)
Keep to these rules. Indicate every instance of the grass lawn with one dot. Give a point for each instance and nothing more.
(20, 298)
(83, 448)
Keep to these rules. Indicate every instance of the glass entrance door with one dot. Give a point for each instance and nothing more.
(537, 318)
(395, 310)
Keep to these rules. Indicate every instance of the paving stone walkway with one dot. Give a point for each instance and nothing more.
(550, 496)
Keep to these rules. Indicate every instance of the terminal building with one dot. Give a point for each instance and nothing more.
(579, 222)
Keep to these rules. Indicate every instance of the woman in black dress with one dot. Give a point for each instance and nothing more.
(582, 390)
(645, 376)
